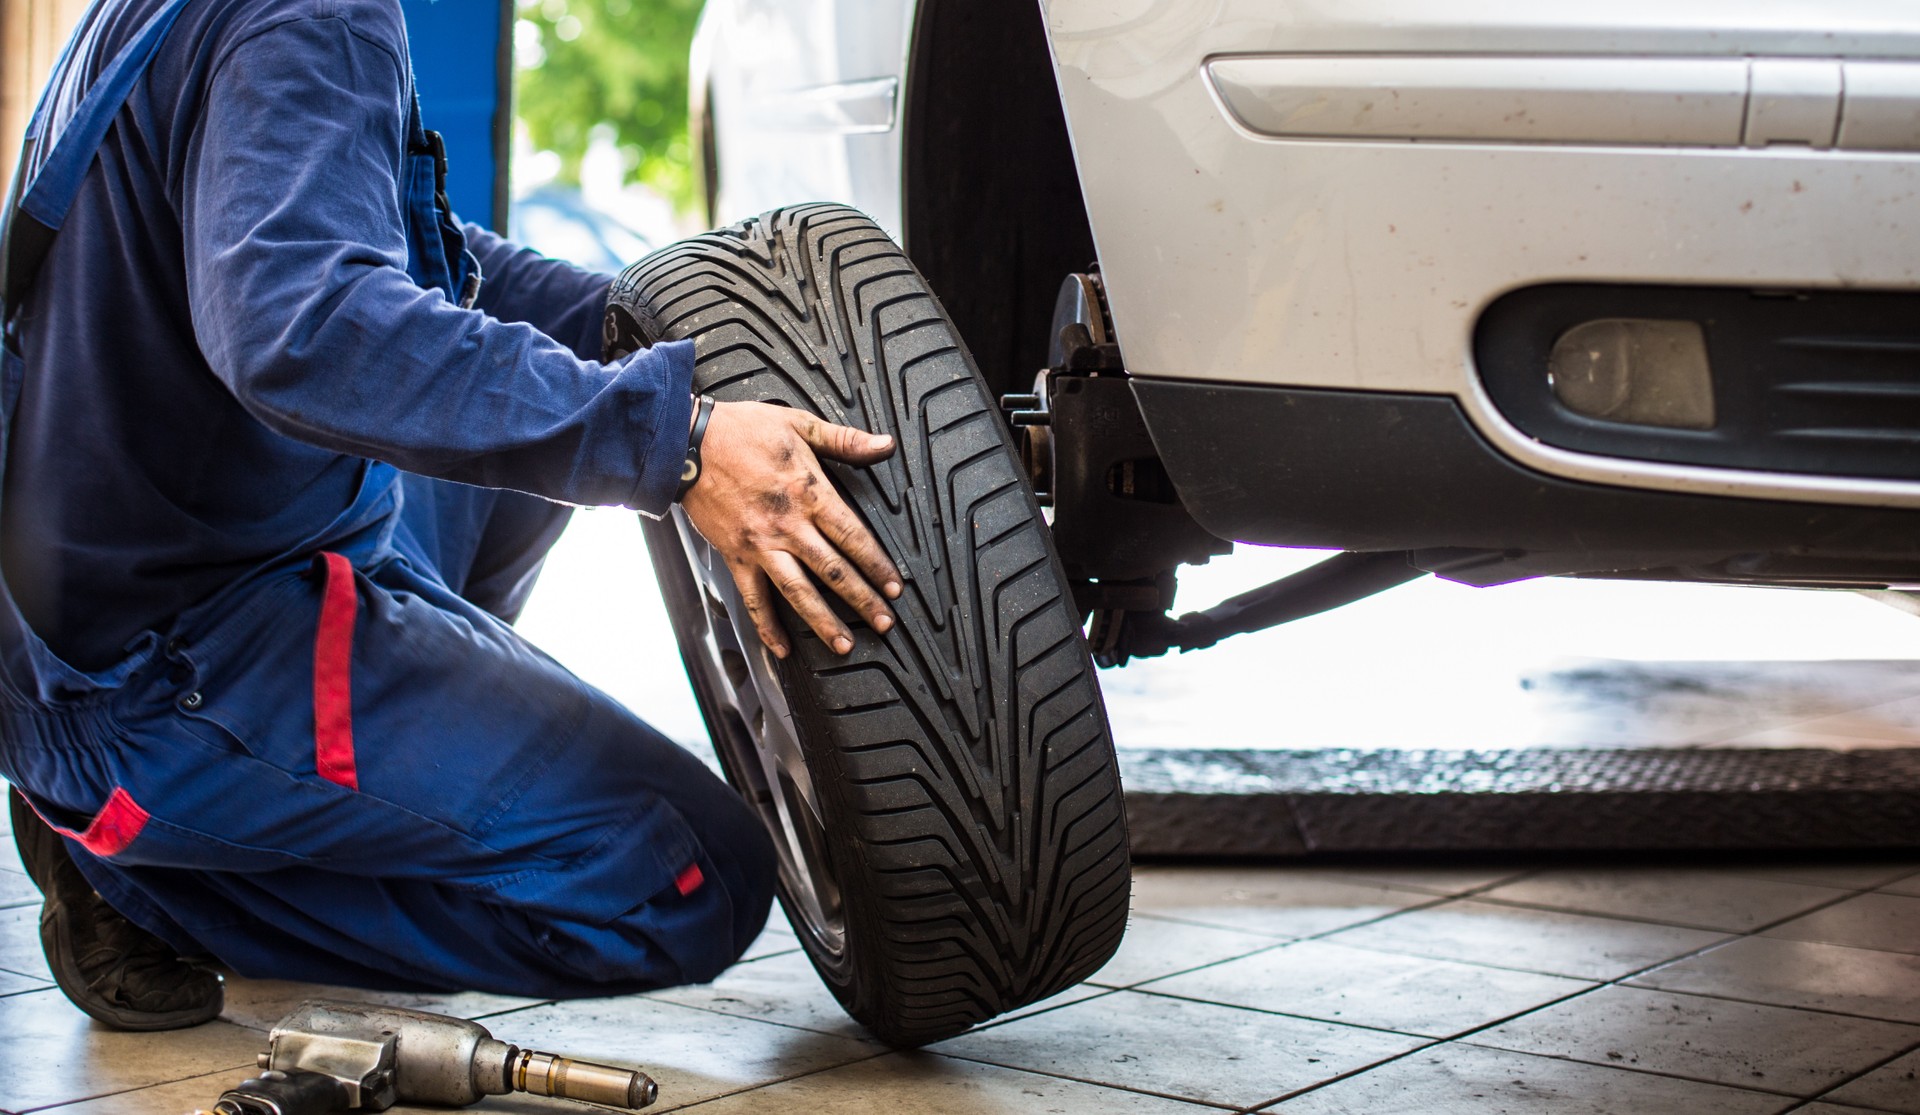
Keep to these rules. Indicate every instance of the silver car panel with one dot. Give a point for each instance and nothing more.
(1757, 143)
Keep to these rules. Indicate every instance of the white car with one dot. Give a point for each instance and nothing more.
(1542, 287)
(1490, 289)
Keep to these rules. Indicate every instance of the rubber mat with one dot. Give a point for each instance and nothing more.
(1297, 803)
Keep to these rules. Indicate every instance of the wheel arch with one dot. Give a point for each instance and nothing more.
(992, 210)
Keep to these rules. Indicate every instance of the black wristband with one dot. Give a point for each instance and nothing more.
(690, 471)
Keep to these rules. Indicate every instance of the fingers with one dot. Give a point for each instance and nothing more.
(791, 579)
(851, 537)
(757, 597)
(766, 504)
(843, 443)
(839, 575)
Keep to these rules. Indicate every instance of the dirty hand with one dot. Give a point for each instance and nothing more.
(764, 503)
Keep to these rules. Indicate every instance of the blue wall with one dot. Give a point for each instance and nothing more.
(457, 64)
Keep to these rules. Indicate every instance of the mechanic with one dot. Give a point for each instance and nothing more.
(269, 444)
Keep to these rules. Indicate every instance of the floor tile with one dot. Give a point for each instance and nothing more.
(20, 943)
(1702, 898)
(195, 1092)
(1762, 1047)
(1468, 1080)
(1846, 874)
(1154, 947)
(1529, 940)
(11, 984)
(1274, 901)
(1834, 1109)
(1078, 993)
(1171, 1047)
(200, 1092)
(1892, 1087)
(261, 1003)
(1889, 922)
(783, 989)
(17, 890)
(1449, 881)
(1876, 722)
(1415, 995)
(916, 1083)
(51, 1053)
(1908, 885)
(1800, 974)
(694, 1054)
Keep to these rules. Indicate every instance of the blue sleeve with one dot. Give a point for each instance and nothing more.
(296, 271)
(563, 301)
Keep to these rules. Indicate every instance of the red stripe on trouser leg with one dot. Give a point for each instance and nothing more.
(689, 880)
(333, 676)
(112, 829)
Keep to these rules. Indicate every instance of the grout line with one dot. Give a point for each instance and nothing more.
(1725, 939)
(1641, 919)
(1094, 1083)
(780, 1080)
(1729, 936)
(1617, 981)
(1831, 1089)
(1137, 984)
(783, 1080)
(648, 996)
(138, 1088)
(1778, 922)
(1880, 888)
(1666, 1073)
(1341, 1023)
(1002, 1020)
(1474, 892)
(1502, 1020)
(1829, 1011)
(1298, 1092)
(1190, 923)
(503, 1011)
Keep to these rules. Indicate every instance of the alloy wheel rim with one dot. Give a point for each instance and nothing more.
(755, 731)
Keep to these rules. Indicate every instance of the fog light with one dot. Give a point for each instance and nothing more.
(1635, 370)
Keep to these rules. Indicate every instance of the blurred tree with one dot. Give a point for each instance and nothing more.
(622, 63)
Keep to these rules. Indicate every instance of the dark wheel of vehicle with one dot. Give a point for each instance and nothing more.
(945, 799)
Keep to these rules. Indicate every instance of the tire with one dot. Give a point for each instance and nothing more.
(945, 800)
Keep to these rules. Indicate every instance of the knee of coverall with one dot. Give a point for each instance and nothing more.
(677, 938)
(731, 905)
(747, 873)
(719, 903)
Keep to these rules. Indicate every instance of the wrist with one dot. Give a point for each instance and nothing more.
(696, 433)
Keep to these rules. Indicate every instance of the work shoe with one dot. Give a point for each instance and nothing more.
(109, 967)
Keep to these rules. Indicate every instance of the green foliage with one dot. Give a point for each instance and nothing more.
(621, 63)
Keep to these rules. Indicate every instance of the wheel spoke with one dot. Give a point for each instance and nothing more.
(763, 745)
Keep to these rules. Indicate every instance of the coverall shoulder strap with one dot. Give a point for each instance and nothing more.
(55, 157)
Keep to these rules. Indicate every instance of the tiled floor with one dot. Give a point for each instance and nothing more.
(1698, 989)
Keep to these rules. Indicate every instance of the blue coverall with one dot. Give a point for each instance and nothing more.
(263, 528)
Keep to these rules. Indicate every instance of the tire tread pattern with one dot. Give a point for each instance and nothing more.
(983, 846)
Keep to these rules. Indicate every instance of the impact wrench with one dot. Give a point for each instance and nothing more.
(328, 1056)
